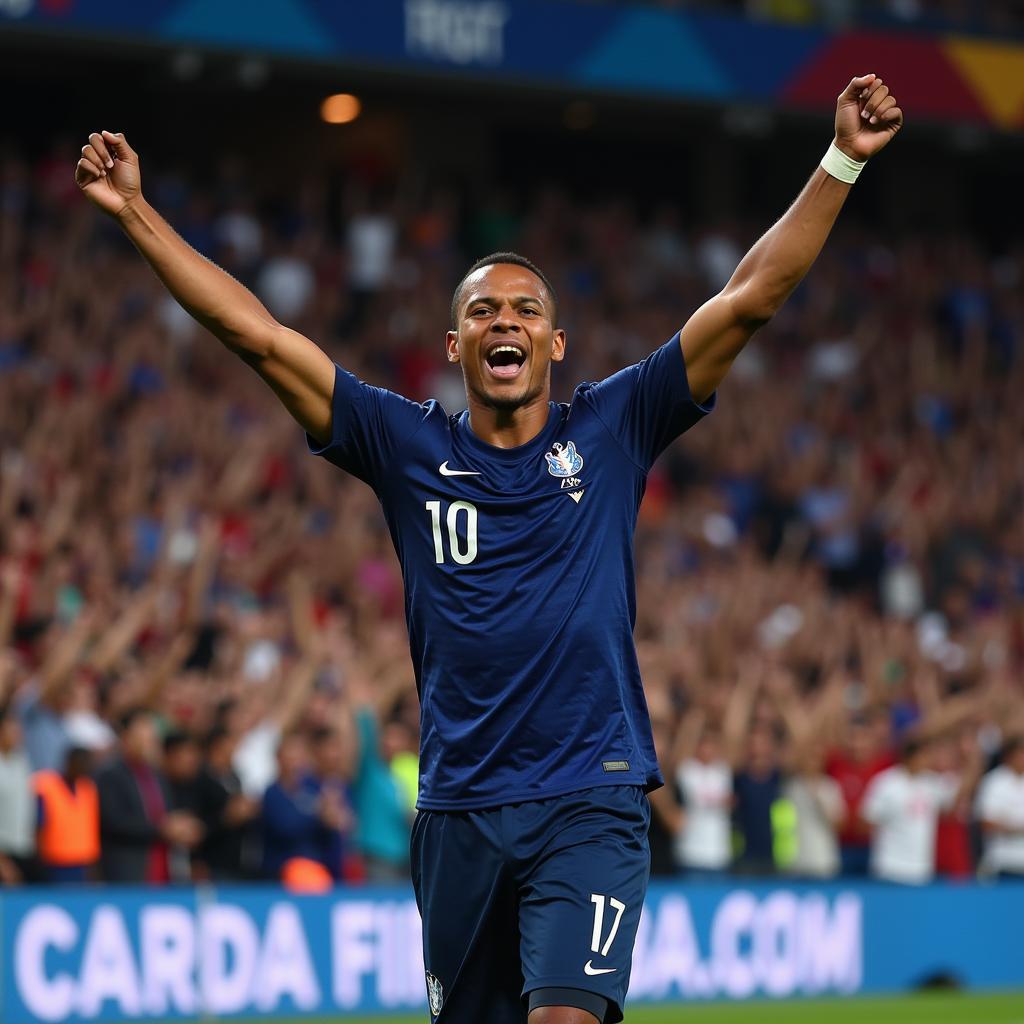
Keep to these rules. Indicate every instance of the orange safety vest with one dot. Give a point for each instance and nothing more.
(70, 833)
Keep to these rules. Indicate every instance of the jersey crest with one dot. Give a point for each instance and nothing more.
(435, 994)
(564, 461)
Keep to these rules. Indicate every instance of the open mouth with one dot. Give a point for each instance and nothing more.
(505, 361)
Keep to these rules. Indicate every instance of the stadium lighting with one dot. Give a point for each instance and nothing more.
(341, 108)
(252, 72)
(186, 64)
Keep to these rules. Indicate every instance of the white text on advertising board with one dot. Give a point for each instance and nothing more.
(170, 959)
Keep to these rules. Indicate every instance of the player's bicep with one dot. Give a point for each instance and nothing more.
(711, 339)
(648, 405)
(365, 426)
(302, 376)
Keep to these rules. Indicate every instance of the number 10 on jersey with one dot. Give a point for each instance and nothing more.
(462, 554)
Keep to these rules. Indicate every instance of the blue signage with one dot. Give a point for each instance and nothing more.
(627, 49)
(121, 954)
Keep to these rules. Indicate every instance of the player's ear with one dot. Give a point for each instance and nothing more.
(451, 344)
(558, 346)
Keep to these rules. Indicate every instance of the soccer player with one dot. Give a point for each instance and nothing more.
(513, 524)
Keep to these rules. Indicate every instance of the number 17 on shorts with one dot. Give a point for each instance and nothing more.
(596, 945)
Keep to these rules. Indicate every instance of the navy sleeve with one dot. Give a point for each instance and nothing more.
(368, 426)
(648, 405)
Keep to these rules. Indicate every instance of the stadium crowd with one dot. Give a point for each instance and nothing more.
(203, 664)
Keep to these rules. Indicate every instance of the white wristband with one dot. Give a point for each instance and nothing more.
(840, 166)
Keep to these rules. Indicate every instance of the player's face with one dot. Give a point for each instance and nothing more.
(505, 340)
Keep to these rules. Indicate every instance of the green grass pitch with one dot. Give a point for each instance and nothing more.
(947, 1008)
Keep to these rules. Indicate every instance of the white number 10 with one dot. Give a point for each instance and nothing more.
(461, 555)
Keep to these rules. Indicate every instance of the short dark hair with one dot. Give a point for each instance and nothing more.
(218, 733)
(176, 739)
(1011, 746)
(131, 716)
(322, 734)
(912, 746)
(517, 261)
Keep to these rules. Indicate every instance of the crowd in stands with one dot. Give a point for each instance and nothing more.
(203, 663)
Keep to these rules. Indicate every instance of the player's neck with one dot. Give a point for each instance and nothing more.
(508, 428)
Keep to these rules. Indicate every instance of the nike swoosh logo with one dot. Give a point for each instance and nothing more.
(445, 471)
(589, 968)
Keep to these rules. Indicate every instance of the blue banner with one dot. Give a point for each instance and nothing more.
(619, 48)
(121, 954)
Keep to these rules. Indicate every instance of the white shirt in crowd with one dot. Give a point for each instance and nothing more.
(1001, 801)
(706, 839)
(371, 246)
(286, 284)
(17, 805)
(904, 809)
(819, 806)
(255, 758)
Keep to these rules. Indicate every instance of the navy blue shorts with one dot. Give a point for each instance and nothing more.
(531, 898)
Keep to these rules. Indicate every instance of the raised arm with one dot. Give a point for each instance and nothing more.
(867, 117)
(300, 373)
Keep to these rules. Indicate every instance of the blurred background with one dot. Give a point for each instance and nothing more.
(204, 678)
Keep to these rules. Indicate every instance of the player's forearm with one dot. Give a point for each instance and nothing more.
(781, 258)
(214, 298)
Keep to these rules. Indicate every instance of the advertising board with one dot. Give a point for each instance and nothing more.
(113, 954)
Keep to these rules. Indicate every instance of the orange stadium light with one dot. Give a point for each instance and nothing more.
(341, 108)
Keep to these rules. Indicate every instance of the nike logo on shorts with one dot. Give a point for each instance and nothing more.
(590, 969)
(445, 471)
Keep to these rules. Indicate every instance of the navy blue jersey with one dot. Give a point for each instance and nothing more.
(519, 579)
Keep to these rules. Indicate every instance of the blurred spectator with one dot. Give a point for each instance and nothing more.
(181, 763)
(286, 284)
(957, 758)
(383, 821)
(374, 690)
(300, 822)
(705, 783)
(42, 703)
(1000, 808)
(817, 803)
(371, 238)
(328, 782)
(757, 777)
(17, 804)
(668, 817)
(757, 788)
(227, 814)
(69, 819)
(806, 818)
(902, 805)
(261, 719)
(853, 766)
(137, 825)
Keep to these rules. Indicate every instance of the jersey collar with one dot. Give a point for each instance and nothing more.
(541, 443)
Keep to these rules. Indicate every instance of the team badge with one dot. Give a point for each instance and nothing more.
(435, 994)
(564, 461)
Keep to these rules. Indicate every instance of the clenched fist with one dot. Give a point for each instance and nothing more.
(867, 117)
(108, 172)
